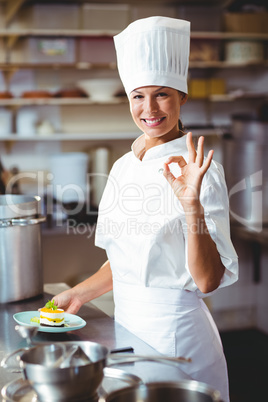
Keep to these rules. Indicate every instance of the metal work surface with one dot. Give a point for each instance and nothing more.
(100, 328)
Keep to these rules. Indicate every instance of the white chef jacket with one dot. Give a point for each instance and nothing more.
(142, 226)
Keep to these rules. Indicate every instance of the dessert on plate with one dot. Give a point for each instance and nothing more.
(51, 315)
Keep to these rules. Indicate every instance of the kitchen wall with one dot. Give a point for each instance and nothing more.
(70, 257)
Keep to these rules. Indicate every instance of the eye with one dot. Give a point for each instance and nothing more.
(137, 97)
(162, 94)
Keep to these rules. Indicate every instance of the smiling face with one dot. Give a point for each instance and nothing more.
(156, 111)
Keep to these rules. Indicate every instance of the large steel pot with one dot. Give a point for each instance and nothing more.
(246, 170)
(247, 127)
(73, 382)
(21, 275)
(181, 391)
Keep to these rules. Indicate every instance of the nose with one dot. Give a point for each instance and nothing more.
(151, 105)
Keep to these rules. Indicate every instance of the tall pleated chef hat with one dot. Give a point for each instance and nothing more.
(154, 51)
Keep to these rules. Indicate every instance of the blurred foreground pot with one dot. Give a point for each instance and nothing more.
(21, 275)
(182, 391)
(81, 379)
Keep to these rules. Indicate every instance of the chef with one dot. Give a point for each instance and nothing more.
(164, 214)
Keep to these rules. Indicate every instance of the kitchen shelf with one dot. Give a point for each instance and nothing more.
(226, 64)
(20, 102)
(231, 97)
(110, 33)
(13, 137)
(112, 66)
(59, 101)
(228, 35)
(57, 32)
(57, 66)
(70, 137)
(11, 36)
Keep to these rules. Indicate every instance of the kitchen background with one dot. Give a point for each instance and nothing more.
(57, 65)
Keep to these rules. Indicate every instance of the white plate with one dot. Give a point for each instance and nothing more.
(72, 322)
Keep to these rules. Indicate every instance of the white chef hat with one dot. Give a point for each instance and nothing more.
(154, 51)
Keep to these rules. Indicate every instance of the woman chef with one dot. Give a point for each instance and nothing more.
(163, 217)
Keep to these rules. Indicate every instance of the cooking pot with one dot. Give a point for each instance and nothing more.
(69, 170)
(73, 382)
(181, 391)
(246, 170)
(21, 275)
(248, 127)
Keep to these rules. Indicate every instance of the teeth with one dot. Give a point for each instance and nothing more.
(152, 121)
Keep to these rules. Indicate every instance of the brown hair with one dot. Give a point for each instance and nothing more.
(181, 126)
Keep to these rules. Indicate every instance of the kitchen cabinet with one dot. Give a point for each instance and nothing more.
(73, 110)
(11, 36)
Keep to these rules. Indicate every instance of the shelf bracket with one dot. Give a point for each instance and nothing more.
(12, 7)
(12, 41)
(8, 74)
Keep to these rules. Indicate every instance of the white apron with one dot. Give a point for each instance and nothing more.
(176, 323)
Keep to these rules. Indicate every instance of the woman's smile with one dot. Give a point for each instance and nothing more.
(154, 121)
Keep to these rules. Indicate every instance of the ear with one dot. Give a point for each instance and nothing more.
(184, 98)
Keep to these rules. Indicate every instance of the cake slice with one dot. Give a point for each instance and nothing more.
(51, 315)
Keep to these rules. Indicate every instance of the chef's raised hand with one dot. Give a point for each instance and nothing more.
(187, 186)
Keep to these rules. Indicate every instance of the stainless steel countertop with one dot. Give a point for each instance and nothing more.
(100, 328)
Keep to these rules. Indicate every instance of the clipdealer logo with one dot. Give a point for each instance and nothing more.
(132, 198)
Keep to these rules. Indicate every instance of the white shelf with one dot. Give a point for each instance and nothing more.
(19, 102)
(72, 137)
(98, 136)
(59, 101)
(231, 97)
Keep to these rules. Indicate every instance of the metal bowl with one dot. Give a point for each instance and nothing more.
(182, 391)
(68, 383)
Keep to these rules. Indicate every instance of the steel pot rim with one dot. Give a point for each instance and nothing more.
(16, 206)
(190, 385)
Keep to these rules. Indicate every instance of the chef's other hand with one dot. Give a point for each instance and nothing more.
(187, 186)
(68, 301)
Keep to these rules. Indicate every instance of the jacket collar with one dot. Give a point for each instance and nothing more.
(159, 151)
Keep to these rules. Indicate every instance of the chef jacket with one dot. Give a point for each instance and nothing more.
(142, 225)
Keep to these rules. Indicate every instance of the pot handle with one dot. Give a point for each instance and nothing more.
(14, 369)
(130, 358)
(22, 221)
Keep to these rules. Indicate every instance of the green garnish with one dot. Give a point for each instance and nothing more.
(51, 304)
(36, 320)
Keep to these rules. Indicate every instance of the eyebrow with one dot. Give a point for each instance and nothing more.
(159, 89)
